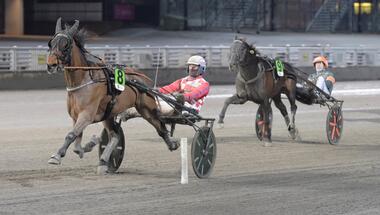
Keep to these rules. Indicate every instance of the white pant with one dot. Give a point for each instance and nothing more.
(321, 83)
(165, 108)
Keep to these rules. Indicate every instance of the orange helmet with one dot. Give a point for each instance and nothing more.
(321, 59)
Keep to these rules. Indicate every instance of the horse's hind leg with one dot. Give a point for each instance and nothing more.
(109, 125)
(82, 122)
(235, 99)
(147, 107)
(293, 109)
(280, 105)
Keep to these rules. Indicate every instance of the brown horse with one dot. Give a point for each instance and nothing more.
(257, 82)
(88, 97)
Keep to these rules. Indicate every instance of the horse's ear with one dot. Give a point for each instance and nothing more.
(236, 37)
(58, 26)
(74, 28)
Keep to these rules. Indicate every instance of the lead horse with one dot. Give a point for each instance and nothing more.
(88, 94)
(257, 81)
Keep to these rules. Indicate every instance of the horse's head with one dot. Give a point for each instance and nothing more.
(241, 53)
(60, 47)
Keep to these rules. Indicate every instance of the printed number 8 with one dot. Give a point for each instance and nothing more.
(119, 77)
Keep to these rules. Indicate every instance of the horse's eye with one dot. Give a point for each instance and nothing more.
(252, 51)
(49, 43)
(67, 45)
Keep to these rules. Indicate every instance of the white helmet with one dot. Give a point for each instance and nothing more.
(198, 60)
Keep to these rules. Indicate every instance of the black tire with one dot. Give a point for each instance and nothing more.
(117, 155)
(260, 120)
(203, 155)
(334, 125)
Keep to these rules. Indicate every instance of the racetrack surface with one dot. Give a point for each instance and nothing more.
(305, 177)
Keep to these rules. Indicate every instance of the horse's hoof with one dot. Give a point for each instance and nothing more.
(174, 145)
(79, 152)
(299, 139)
(267, 144)
(55, 160)
(90, 145)
(102, 170)
(293, 133)
(220, 125)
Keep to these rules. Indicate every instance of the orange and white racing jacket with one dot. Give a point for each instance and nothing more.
(194, 90)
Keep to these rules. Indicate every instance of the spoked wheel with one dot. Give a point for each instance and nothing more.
(259, 122)
(117, 154)
(203, 152)
(334, 125)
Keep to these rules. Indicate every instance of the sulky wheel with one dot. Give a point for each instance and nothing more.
(118, 153)
(259, 122)
(334, 125)
(203, 152)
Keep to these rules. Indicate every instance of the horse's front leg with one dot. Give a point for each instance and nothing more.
(267, 130)
(235, 99)
(84, 119)
(109, 125)
(78, 147)
(91, 144)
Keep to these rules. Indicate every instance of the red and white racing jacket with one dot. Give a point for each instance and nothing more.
(194, 90)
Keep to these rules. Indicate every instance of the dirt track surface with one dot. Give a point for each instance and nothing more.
(305, 177)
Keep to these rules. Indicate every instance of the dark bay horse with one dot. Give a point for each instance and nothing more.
(256, 81)
(88, 95)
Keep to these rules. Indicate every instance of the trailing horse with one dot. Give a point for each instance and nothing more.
(258, 81)
(91, 96)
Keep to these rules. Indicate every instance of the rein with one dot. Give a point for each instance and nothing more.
(84, 67)
(72, 89)
(71, 68)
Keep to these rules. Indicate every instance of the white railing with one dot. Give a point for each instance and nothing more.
(19, 59)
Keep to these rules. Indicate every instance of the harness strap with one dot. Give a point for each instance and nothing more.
(109, 83)
(71, 89)
(109, 108)
(271, 69)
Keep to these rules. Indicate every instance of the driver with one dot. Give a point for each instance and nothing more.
(322, 78)
(190, 90)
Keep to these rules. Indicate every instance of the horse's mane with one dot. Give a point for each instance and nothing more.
(80, 37)
(251, 46)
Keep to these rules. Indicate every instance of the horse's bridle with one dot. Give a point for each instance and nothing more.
(65, 58)
(249, 50)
